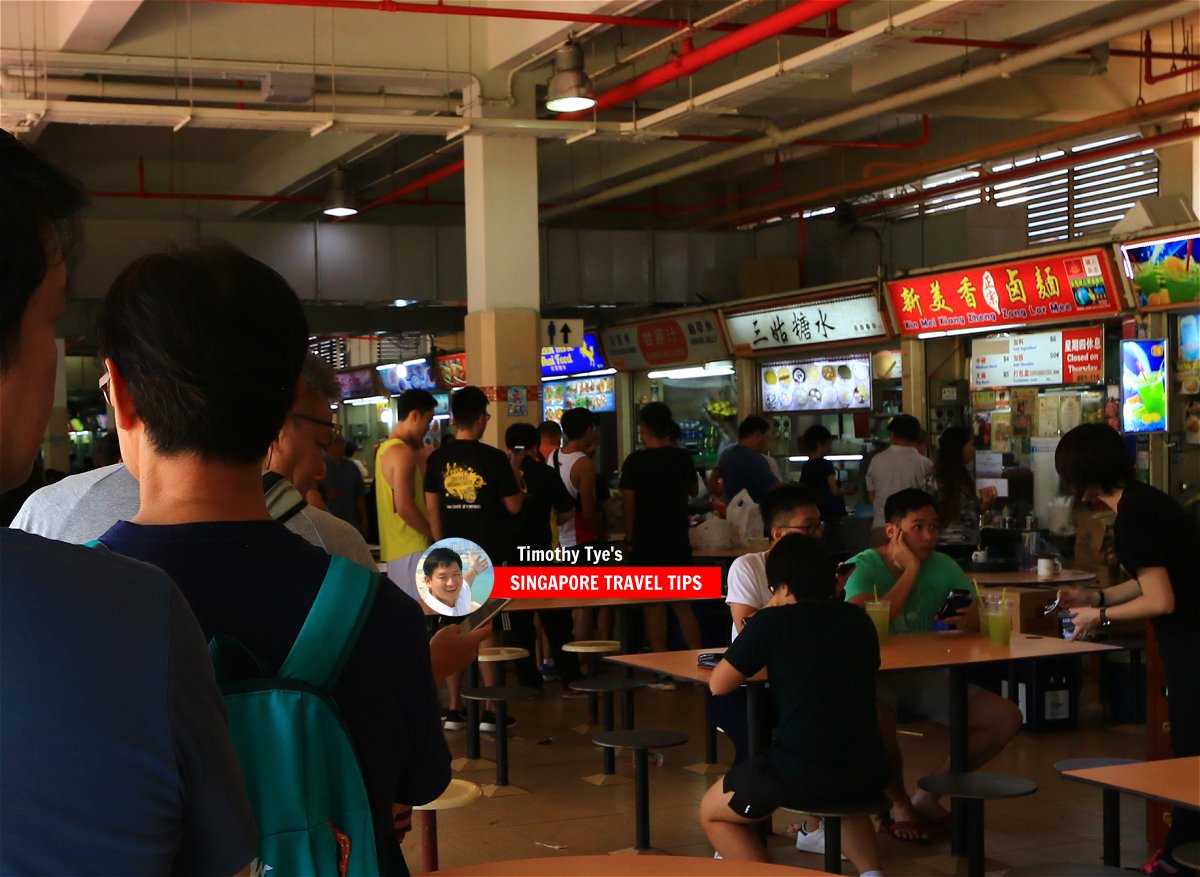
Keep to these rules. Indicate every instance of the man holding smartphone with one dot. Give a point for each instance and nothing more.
(918, 580)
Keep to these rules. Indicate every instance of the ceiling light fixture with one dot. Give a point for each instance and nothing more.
(339, 201)
(568, 89)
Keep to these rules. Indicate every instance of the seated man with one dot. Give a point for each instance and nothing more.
(813, 761)
(204, 347)
(917, 580)
(116, 756)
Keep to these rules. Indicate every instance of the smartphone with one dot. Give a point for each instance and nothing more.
(484, 613)
(709, 660)
(1051, 607)
(844, 569)
(957, 599)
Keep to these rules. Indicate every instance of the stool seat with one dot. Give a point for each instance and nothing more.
(604, 684)
(500, 692)
(593, 646)
(492, 654)
(1066, 869)
(459, 793)
(640, 739)
(861, 808)
(1187, 854)
(1086, 763)
(977, 785)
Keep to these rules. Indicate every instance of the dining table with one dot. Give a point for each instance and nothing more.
(628, 866)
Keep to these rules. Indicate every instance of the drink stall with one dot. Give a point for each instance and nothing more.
(578, 377)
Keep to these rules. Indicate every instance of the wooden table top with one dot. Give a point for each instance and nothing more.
(1176, 780)
(626, 866)
(909, 651)
(1031, 577)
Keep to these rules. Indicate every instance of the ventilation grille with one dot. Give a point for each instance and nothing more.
(332, 350)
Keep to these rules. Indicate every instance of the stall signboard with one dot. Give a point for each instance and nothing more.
(359, 383)
(415, 376)
(689, 338)
(828, 384)
(1144, 385)
(452, 370)
(1067, 356)
(1164, 271)
(559, 362)
(596, 393)
(1187, 364)
(1051, 288)
(804, 322)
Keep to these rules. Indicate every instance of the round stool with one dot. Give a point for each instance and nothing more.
(1187, 854)
(488, 655)
(641, 742)
(1066, 869)
(833, 814)
(501, 694)
(606, 688)
(973, 789)
(459, 793)
(591, 648)
(1112, 804)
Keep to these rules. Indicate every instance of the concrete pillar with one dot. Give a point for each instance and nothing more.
(913, 383)
(503, 283)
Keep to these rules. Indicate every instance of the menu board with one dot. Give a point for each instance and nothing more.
(1144, 385)
(830, 384)
(676, 340)
(358, 383)
(804, 322)
(594, 394)
(1069, 356)
(562, 361)
(1164, 271)
(452, 370)
(398, 378)
(1050, 288)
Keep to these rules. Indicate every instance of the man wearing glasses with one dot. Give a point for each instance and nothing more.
(917, 579)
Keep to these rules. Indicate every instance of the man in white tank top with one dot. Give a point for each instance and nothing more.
(578, 473)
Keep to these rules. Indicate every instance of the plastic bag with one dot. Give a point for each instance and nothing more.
(745, 519)
(711, 534)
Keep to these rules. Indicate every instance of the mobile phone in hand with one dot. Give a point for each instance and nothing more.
(957, 599)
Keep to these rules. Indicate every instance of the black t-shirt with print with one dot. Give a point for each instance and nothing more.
(660, 479)
(472, 480)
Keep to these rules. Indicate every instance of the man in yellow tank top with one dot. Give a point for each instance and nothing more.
(404, 530)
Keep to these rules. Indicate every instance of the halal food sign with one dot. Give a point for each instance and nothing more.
(1051, 288)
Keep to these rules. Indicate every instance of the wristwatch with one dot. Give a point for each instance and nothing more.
(1104, 622)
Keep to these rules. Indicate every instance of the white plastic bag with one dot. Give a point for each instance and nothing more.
(711, 534)
(744, 518)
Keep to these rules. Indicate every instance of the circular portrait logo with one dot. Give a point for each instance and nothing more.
(454, 577)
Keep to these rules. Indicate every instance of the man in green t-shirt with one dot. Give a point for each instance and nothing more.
(916, 579)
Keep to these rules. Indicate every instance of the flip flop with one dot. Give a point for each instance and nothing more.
(917, 832)
(943, 821)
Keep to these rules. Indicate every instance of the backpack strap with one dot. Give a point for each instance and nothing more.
(284, 501)
(337, 617)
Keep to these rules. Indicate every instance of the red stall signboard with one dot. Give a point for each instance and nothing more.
(1051, 288)
(667, 341)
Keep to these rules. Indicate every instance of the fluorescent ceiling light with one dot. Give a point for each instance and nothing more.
(973, 331)
(370, 400)
(420, 360)
(836, 458)
(596, 374)
(403, 302)
(708, 370)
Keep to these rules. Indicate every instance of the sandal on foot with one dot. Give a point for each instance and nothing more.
(907, 832)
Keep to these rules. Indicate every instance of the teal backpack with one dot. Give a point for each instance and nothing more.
(302, 775)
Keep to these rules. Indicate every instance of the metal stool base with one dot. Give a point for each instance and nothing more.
(460, 765)
(491, 790)
(607, 779)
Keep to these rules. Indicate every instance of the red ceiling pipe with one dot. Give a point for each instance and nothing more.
(142, 194)
(415, 186)
(684, 64)
(1151, 78)
(841, 144)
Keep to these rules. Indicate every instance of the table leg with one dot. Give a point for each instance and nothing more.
(473, 713)
(958, 754)
(1112, 828)
(710, 730)
(641, 785)
(429, 844)
(502, 742)
(627, 703)
(974, 820)
(759, 733)
(610, 754)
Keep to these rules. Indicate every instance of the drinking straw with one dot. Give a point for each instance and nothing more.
(978, 593)
(1004, 596)
(875, 588)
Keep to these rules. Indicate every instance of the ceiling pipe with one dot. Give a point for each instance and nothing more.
(414, 186)
(1141, 114)
(142, 194)
(1151, 78)
(923, 140)
(1139, 21)
(688, 62)
(58, 87)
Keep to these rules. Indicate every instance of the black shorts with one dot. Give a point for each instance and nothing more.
(758, 787)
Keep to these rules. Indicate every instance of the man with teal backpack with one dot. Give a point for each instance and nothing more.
(325, 666)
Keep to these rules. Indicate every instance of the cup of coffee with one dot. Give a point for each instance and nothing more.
(980, 556)
(1048, 567)
(880, 612)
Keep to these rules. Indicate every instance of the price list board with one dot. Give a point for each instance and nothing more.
(1072, 356)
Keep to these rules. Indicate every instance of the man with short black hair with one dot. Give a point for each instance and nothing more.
(745, 465)
(470, 487)
(549, 439)
(404, 530)
(575, 467)
(898, 467)
(917, 579)
(116, 756)
(204, 347)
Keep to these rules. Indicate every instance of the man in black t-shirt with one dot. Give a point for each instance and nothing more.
(470, 488)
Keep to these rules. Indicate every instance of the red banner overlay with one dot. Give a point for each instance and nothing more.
(637, 582)
(1063, 286)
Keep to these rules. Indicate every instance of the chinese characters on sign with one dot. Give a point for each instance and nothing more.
(1051, 288)
(802, 323)
(671, 341)
(1073, 356)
